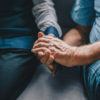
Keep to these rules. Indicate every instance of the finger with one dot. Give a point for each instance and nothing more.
(48, 37)
(46, 44)
(41, 44)
(54, 50)
(43, 49)
(42, 40)
(52, 68)
(45, 58)
(40, 34)
(40, 54)
(50, 60)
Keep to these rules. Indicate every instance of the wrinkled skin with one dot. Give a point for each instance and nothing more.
(51, 49)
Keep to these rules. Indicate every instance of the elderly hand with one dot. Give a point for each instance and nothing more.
(45, 56)
(56, 48)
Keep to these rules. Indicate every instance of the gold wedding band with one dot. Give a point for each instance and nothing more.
(40, 45)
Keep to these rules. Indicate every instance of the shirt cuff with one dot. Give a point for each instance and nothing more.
(52, 31)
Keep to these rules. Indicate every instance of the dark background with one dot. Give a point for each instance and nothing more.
(63, 9)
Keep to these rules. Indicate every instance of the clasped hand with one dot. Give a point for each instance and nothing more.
(50, 49)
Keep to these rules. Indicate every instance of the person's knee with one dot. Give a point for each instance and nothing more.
(93, 82)
(96, 85)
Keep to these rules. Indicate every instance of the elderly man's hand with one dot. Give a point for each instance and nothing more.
(56, 50)
(44, 54)
(67, 55)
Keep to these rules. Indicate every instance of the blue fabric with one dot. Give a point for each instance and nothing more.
(87, 12)
(83, 12)
(17, 68)
(22, 42)
(92, 80)
(52, 30)
(95, 32)
(16, 17)
(17, 25)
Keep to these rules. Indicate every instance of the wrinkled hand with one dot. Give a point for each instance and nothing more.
(44, 54)
(59, 50)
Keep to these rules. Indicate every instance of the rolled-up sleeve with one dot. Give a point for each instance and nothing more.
(83, 12)
(45, 15)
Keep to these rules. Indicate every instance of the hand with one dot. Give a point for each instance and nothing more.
(61, 52)
(45, 55)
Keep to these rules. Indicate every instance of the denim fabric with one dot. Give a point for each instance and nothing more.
(83, 12)
(16, 20)
(92, 80)
(87, 12)
(17, 67)
(21, 42)
(95, 32)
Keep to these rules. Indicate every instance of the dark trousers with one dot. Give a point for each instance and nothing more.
(17, 67)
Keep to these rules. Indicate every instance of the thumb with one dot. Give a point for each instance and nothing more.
(52, 68)
(40, 34)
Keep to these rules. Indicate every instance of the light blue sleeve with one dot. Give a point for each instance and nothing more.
(83, 12)
(95, 32)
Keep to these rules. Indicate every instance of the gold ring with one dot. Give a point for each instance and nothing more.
(40, 45)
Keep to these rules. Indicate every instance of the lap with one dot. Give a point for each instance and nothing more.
(16, 69)
(92, 79)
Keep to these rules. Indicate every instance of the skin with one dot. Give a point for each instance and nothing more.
(45, 56)
(68, 52)
(77, 36)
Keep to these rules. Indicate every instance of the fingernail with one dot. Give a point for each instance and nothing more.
(40, 34)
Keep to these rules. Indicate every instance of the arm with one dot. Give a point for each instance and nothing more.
(69, 55)
(76, 56)
(83, 15)
(86, 54)
(77, 36)
(46, 18)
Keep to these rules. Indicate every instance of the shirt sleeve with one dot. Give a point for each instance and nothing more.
(45, 16)
(83, 12)
(95, 32)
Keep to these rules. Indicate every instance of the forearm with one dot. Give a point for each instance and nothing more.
(86, 54)
(77, 36)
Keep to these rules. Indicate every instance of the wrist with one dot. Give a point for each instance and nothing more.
(82, 55)
(74, 56)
